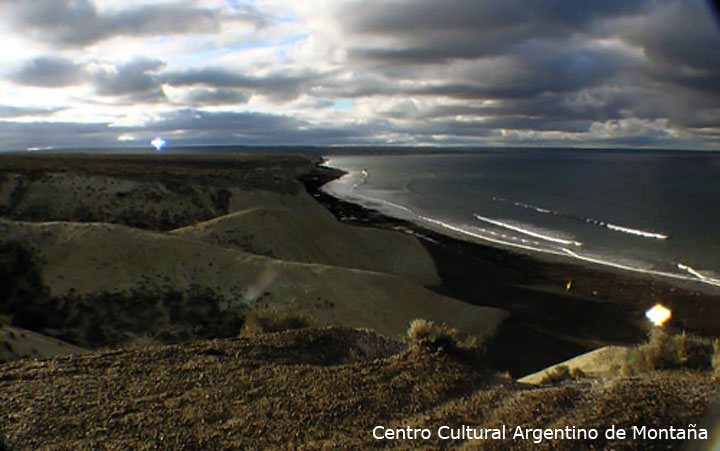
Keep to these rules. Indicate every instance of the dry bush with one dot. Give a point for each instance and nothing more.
(561, 373)
(430, 334)
(716, 358)
(664, 351)
(142, 341)
(269, 318)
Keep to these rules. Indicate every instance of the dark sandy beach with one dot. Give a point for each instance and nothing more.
(605, 306)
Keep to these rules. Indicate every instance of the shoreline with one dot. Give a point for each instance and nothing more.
(604, 307)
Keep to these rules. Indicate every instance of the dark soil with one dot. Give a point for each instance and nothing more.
(317, 388)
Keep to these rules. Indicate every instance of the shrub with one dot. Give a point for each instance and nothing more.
(430, 334)
(266, 319)
(142, 341)
(561, 373)
(664, 351)
(716, 358)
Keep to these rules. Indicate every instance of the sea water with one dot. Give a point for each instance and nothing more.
(648, 211)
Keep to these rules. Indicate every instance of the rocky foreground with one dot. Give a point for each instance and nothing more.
(320, 389)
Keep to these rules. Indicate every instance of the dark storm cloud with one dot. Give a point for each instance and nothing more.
(192, 119)
(132, 81)
(253, 128)
(281, 87)
(133, 77)
(50, 71)
(431, 31)
(587, 106)
(440, 72)
(14, 111)
(22, 135)
(536, 69)
(548, 65)
(680, 39)
(184, 127)
(377, 16)
(678, 33)
(209, 96)
(79, 23)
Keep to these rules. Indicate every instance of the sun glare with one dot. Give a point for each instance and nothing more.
(658, 315)
(158, 143)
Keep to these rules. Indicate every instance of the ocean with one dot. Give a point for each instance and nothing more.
(655, 212)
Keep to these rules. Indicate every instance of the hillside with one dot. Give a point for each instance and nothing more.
(102, 250)
(106, 283)
(318, 389)
(315, 236)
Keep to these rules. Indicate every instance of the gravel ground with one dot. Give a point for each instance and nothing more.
(315, 389)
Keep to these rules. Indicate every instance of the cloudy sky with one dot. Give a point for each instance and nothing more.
(633, 73)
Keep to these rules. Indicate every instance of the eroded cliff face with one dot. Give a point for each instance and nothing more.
(98, 198)
(117, 252)
(261, 209)
(100, 281)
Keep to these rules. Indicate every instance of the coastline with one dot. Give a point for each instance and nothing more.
(604, 307)
(162, 359)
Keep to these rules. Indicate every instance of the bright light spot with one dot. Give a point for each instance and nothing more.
(158, 143)
(658, 315)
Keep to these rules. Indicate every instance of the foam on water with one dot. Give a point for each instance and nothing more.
(546, 243)
(598, 222)
(526, 231)
(638, 232)
(527, 206)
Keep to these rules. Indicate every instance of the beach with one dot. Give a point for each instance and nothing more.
(605, 305)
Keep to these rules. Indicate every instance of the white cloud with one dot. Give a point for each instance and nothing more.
(364, 71)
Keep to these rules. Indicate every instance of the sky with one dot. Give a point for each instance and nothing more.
(570, 73)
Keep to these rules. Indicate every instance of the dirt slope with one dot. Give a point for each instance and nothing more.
(315, 389)
(16, 343)
(312, 236)
(96, 273)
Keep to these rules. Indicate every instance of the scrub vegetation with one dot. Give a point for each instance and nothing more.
(271, 318)
(561, 373)
(433, 335)
(664, 351)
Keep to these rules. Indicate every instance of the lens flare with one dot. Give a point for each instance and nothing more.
(158, 143)
(658, 315)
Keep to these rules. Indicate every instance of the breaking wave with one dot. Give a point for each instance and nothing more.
(546, 244)
(528, 206)
(638, 232)
(597, 222)
(527, 231)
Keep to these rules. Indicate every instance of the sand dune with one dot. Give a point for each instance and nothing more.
(77, 260)
(310, 236)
